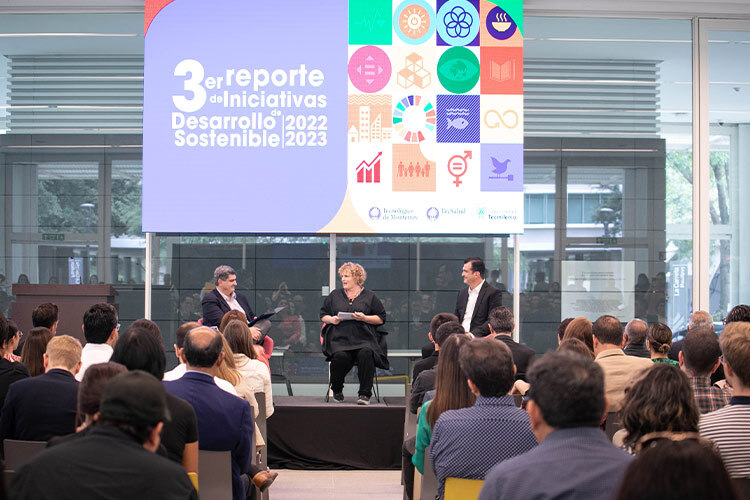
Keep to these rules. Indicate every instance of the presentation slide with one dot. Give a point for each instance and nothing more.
(372, 116)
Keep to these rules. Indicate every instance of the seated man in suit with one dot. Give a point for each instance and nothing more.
(224, 298)
(467, 443)
(474, 303)
(225, 422)
(502, 324)
(39, 408)
(115, 459)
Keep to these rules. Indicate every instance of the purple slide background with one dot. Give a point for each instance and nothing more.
(193, 189)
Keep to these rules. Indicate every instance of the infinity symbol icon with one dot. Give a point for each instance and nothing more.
(498, 119)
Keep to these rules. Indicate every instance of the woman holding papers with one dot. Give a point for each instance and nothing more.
(351, 315)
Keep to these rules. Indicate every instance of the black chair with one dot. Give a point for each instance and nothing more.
(612, 424)
(17, 452)
(262, 455)
(215, 478)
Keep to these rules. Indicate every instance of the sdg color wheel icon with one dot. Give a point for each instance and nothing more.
(458, 70)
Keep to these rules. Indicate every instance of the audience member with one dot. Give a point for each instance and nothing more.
(38, 408)
(635, 339)
(32, 354)
(246, 360)
(10, 371)
(581, 329)
(115, 460)
(658, 343)
(698, 319)
(90, 392)
(660, 400)
(149, 326)
(140, 349)
(575, 459)
(740, 312)
(729, 427)
(45, 315)
(227, 370)
(180, 369)
(699, 359)
(100, 328)
(502, 323)
(561, 329)
(430, 361)
(618, 367)
(426, 380)
(225, 422)
(575, 346)
(256, 334)
(454, 394)
(468, 442)
(682, 468)
(14, 355)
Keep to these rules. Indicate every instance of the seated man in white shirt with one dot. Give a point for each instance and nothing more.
(100, 328)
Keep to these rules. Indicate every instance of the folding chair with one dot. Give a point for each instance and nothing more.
(17, 453)
(216, 474)
(462, 489)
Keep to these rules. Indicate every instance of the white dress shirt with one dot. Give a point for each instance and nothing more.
(180, 370)
(470, 305)
(232, 301)
(93, 354)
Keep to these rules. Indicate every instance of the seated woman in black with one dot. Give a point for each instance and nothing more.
(351, 337)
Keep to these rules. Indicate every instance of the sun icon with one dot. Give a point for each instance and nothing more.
(415, 21)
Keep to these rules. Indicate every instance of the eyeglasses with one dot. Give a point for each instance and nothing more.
(653, 438)
(19, 333)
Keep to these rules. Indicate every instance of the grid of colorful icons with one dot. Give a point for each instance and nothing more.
(435, 100)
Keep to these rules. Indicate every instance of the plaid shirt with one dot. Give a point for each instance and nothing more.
(709, 397)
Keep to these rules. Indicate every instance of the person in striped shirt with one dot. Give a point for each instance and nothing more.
(729, 427)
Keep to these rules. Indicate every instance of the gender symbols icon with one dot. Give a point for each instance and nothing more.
(458, 165)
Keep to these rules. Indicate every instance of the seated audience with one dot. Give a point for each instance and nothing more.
(729, 427)
(225, 422)
(682, 468)
(660, 400)
(237, 335)
(467, 443)
(90, 392)
(32, 353)
(561, 329)
(45, 315)
(255, 333)
(14, 355)
(140, 349)
(658, 343)
(618, 367)
(574, 458)
(502, 324)
(575, 346)
(429, 362)
(635, 339)
(740, 312)
(100, 328)
(180, 369)
(699, 359)
(10, 371)
(426, 380)
(116, 459)
(581, 329)
(454, 394)
(38, 408)
(698, 319)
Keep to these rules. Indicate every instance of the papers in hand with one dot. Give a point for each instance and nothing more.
(345, 316)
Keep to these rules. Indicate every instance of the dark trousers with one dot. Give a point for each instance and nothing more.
(343, 361)
(407, 467)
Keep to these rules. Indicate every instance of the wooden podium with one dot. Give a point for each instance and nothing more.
(72, 301)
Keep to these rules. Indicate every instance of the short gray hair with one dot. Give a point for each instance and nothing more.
(222, 272)
(636, 330)
(701, 319)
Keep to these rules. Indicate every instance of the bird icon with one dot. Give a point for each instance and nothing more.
(500, 168)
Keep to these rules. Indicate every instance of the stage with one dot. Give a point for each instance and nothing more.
(307, 433)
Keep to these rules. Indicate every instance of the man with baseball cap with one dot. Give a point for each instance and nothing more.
(116, 458)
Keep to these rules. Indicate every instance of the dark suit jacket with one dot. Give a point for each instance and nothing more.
(425, 364)
(489, 298)
(39, 408)
(522, 356)
(225, 422)
(215, 307)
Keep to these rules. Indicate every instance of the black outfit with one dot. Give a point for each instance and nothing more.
(106, 463)
(638, 350)
(523, 356)
(9, 373)
(353, 342)
(181, 430)
(215, 307)
(39, 408)
(425, 382)
(425, 364)
(488, 299)
(427, 350)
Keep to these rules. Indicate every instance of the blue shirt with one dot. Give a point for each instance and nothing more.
(577, 463)
(467, 443)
